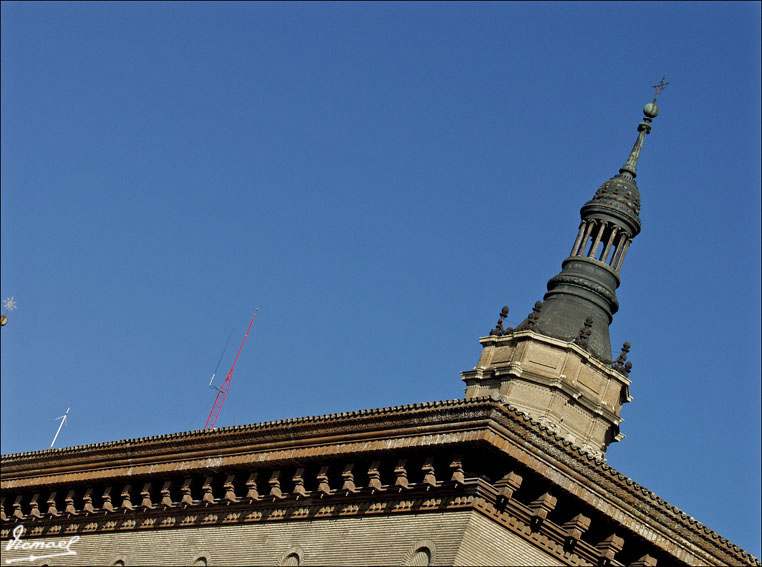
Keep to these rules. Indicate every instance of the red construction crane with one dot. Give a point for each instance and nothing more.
(222, 391)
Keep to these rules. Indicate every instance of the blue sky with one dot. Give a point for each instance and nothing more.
(380, 179)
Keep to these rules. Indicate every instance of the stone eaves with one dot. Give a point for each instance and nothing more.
(390, 422)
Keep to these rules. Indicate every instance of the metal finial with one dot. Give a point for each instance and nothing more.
(499, 330)
(9, 305)
(660, 86)
(584, 333)
(650, 111)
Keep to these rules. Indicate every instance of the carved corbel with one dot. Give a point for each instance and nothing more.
(374, 477)
(456, 466)
(185, 490)
(608, 549)
(107, 506)
(87, 501)
(429, 478)
(506, 487)
(541, 507)
(275, 490)
(17, 513)
(251, 488)
(126, 498)
(207, 497)
(324, 488)
(349, 480)
(166, 495)
(229, 487)
(298, 480)
(69, 508)
(645, 561)
(52, 510)
(145, 497)
(34, 506)
(574, 528)
(3, 517)
(400, 473)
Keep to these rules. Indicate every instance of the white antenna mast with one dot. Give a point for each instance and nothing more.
(63, 420)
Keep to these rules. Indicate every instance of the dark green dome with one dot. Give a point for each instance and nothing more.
(618, 201)
(620, 192)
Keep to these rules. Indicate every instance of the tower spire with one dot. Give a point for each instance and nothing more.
(557, 364)
(586, 286)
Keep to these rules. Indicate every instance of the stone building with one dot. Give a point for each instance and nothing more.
(512, 474)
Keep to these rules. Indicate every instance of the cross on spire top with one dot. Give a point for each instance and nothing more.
(660, 86)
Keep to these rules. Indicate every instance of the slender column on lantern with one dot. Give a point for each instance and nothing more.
(583, 244)
(621, 257)
(597, 240)
(579, 239)
(618, 249)
(612, 236)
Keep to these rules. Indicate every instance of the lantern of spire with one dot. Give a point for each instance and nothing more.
(586, 286)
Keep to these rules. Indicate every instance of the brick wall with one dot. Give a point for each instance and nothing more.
(487, 543)
(452, 538)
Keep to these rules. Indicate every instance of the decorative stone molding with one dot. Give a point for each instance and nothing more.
(550, 424)
(471, 428)
(592, 451)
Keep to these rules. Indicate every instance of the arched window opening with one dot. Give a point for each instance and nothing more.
(422, 556)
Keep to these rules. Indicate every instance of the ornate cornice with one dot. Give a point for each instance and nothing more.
(473, 495)
(454, 425)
